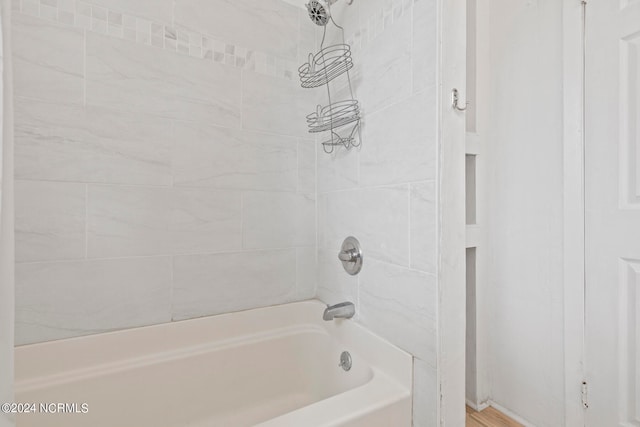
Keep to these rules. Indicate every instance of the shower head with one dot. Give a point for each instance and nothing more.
(319, 11)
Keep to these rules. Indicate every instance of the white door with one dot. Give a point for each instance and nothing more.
(612, 202)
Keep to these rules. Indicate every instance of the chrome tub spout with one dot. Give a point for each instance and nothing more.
(344, 310)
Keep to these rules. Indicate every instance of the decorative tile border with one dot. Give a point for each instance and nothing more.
(83, 15)
(98, 19)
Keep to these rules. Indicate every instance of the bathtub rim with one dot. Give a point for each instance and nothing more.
(128, 344)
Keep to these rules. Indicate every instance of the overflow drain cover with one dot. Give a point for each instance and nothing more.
(345, 361)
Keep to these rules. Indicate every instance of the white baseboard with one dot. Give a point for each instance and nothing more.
(477, 406)
(510, 414)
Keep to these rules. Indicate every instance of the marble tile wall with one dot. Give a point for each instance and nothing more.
(163, 169)
(385, 192)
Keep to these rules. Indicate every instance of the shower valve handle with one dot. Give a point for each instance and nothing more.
(350, 255)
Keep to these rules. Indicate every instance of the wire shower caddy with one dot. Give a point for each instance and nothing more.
(341, 119)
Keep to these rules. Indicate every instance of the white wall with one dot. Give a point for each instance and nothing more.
(385, 192)
(163, 167)
(6, 220)
(523, 286)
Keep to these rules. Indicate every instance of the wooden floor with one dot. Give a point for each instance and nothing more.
(490, 417)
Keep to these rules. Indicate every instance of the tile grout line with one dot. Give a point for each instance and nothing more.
(172, 186)
(242, 75)
(409, 186)
(242, 194)
(84, 80)
(166, 186)
(172, 148)
(412, 54)
(298, 167)
(379, 186)
(86, 221)
(297, 287)
(171, 287)
(166, 255)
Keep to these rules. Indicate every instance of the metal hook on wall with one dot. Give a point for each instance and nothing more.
(456, 99)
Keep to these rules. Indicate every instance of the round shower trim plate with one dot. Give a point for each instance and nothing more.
(351, 247)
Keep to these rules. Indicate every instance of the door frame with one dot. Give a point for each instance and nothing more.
(452, 24)
(574, 211)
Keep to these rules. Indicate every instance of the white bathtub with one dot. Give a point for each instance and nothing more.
(276, 366)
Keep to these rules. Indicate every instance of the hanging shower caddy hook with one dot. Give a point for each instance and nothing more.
(455, 99)
(339, 118)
